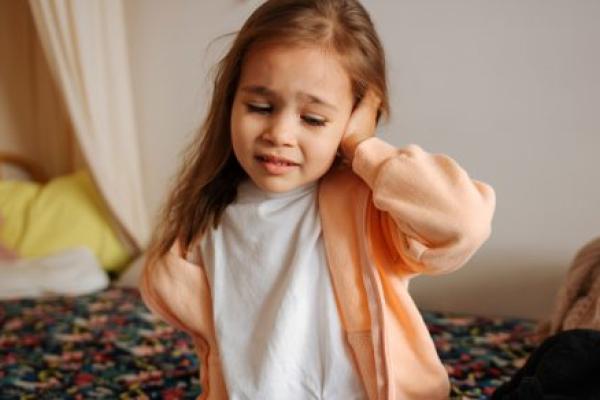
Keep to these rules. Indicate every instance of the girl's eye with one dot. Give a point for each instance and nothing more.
(314, 121)
(259, 108)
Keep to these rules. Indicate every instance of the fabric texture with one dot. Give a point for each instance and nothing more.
(565, 366)
(69, 272)
(398, 213)
(107, 345)
(85, 44)
(578, 299)
(67, 212)
(278, 330)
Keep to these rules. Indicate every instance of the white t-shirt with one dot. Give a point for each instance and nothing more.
(278, 329)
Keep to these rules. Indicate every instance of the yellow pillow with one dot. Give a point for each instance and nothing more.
(66, 212)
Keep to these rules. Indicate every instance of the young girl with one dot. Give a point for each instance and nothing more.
(288, 243)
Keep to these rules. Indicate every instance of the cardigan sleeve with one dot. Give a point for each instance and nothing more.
(171, 287)
(434, 215)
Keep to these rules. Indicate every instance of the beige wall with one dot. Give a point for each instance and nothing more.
(509, 89)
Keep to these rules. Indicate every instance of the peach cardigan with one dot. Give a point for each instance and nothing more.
(397, 214)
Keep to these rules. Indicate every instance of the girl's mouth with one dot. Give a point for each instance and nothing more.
(275, 165)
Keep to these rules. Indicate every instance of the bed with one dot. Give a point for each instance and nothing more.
(108, 345)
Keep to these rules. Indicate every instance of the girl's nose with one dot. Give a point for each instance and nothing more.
(281, 131)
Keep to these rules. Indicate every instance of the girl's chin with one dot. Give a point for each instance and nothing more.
(276, 187)
(278, 184)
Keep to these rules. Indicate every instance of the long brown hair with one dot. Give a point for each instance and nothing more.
(210, 173)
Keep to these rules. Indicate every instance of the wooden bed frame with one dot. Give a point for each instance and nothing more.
(32, 169)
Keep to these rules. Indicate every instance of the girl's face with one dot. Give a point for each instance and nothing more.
(289, 114)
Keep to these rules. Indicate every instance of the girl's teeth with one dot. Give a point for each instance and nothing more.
(278, 162)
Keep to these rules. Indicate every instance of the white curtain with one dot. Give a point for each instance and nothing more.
(85, 42)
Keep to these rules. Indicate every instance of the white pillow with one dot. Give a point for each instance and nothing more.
(74, 271)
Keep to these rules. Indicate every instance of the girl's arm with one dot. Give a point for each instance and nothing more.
(433, 214)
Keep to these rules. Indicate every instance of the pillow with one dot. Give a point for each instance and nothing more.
(70, 272)
(66, 212)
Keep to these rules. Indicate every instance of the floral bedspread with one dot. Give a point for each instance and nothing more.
(107, 345)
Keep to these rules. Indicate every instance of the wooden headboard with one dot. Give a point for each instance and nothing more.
(22, 163)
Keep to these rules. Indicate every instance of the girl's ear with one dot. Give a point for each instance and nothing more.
(357, 99)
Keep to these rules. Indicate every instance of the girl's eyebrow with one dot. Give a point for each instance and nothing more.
(265, 91)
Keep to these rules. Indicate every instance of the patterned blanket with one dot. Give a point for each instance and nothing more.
(107, 345)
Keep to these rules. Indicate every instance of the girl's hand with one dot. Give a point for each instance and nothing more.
(361, 125)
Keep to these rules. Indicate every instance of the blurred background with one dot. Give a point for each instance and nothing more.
(118, 89)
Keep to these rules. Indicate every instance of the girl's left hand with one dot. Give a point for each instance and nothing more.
(361, 124)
